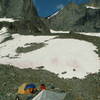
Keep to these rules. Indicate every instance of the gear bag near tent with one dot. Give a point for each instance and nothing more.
(49, 95)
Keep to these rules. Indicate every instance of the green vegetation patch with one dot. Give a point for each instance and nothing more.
(76, 89)
(30, 47)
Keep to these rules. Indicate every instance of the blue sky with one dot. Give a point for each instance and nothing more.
(48, 7)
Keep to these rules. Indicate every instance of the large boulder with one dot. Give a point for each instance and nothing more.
(25, 15)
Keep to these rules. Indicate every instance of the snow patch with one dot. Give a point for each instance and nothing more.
(73, 56)
(53, 15)
(53, 31)
(6, 19)
(9, 47)
(3, 34)
(92, 7)
(3, 30)
(60, 7)
(90, 34)
(84, 33)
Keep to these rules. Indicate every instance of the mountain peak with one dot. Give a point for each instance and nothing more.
(17, 9)
(25, 13)
(74, 17)
(72, 5)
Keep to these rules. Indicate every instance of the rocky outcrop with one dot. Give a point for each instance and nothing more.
(90, 22)
(76, 18)
(25, 14)
(94, 2)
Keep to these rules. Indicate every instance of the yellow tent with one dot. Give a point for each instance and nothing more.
(21, 89)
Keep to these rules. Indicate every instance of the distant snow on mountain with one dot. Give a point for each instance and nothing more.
(53, 31)
(90, 34)
(92, 7)
(53, 15)
(84, 33)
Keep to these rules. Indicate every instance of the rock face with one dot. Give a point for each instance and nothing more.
(26, 15)
(76, 18)
(95, 2)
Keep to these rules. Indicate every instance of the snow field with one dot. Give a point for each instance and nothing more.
(75, 57)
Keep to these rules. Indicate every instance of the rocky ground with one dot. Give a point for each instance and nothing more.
(77, 89)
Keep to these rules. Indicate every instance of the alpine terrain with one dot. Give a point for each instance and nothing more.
(74, 17)
(61, 51)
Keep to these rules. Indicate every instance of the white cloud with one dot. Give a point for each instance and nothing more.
(60, 6)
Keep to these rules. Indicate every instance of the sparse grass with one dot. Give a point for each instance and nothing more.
(11, 78)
